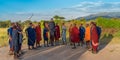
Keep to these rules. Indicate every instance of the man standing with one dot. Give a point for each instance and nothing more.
(64, 33)
(38, 35)
(15, 40)
(52, 31)
(10, 38)
(87, 36)
(75, 35)
(20, 37)
(94, 37)
(82, 34)
(57, 34)
(30, 32)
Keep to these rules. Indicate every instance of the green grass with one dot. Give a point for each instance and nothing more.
(3, 37)
(109, 26)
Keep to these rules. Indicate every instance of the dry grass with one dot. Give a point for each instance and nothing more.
(3, 37)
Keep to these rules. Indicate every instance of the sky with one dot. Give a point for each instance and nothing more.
(45, 9)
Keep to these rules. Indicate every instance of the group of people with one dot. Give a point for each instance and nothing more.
(15, 39)
(88, 35)
(52, 34)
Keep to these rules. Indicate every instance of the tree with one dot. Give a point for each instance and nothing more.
(4, 24)
(56, 17)
(62, 18)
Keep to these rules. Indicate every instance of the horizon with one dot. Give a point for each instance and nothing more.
(16, 10)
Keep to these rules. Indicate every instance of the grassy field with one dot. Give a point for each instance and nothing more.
(110, 28)
(3, 37)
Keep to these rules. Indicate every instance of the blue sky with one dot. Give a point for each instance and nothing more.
(45, 9)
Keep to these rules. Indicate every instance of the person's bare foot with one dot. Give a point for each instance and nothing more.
(73, 47)
(11, 53)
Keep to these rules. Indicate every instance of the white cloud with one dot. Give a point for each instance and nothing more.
(96, 7)
(81, 9)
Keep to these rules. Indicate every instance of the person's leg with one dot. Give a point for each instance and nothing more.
(33, 45)
(74, 46)
(29, 47)
(96, 49)
(21, 49)
(65, 38)
(63, 41)
(82, 43)
(15, 51)
(36, 43)
(44, 44)
(47, 43)
(11, 48)
(51, 40)
(39, 44)
(57, 42)
(88, 44)
(79, 43)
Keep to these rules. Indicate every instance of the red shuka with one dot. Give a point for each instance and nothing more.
(38, 34)
(94, 38)
(75, 35)
(57, 32)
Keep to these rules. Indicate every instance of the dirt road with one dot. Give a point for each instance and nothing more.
(109, 51)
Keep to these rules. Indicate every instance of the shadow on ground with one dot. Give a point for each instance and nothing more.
(62, 52)
(105, 40)
(55, 53)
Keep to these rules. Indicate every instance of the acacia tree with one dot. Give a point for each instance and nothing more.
(56, 17)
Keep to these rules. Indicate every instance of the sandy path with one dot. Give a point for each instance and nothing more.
(110, 52)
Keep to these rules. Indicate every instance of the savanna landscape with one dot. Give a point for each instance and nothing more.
(105, 13)
(109, 40)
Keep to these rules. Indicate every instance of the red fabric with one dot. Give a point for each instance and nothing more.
(75, 35)
(57, 32)
(46, 34)
(94, 38)
(38, 34)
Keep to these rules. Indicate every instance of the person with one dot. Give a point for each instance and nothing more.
(15, 40)
(38, 35)
(52, 31)
(45, 34)
(9, 31)
(64, 34)
(94, 37)
(75, 35)
(30, 32)
(57, 34)
(87, 36)
(70, 30)
(20, 37)
(82, 34)
(99, 33)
